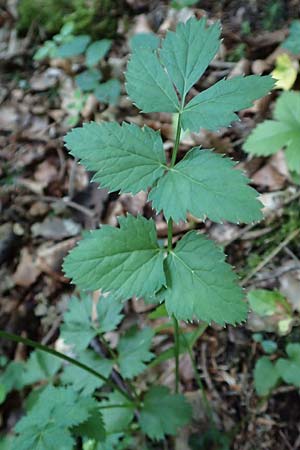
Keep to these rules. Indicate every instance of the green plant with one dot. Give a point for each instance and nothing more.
(96, 17)
(67, 45)
(274, 306)
(191, 279)
(284, 131)
(267, 374)
(203, 183)
(48, 13)
(292, 42)
(103, 416)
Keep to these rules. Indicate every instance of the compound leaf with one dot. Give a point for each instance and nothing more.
(125, 260)
(124, 157)
(79, 329)
(46, 426)
(187, 52)
(148, 85)
(133, 350)
(51, 437)
(163, 413)
(215, 107)
(96, 51)
(80, 380)
(200, 284)
(205, 184)
(265, 376)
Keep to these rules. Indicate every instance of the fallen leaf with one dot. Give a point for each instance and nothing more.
(27, 271)
(56, 228)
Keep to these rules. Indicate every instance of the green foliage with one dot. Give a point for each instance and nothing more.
(96, 17)
(67, 45)
(292, 42)
(144, 40)
(96, 51)
(79, 328)
(204, 184)
(268, 374)
(40, 366)
(130, 159)
(11, 378)
(118, 418)
(48, 13)
(266, 303)
(179, 4)
(272, 304)
(131, 252)
(73, 47)
(163, 413)
(181, 62)
(192, 278)
(196, 271)
(284, 131)
(225, 97)
(139, 158)
(88, 79)
(82, 382)
(210, 439)
(289, 368)
(133, 350)
(47, 426)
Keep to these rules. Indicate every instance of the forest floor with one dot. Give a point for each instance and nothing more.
(47, 201)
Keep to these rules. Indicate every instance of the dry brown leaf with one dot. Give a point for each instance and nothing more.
(27, 271)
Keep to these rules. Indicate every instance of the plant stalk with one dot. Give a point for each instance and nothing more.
(170, 236)
(177, 141)
(176, 353)
(44, 348)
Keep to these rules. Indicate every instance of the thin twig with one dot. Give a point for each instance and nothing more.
(269, 258)
(69, 203)
(71, 189)
(249, 227)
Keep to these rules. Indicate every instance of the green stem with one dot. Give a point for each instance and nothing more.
(176, 353)
(170, 235)
(177, 141)
(44, 348)
(114, 357)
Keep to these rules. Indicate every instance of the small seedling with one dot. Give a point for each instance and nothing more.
(268, 374)
(65, 45)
